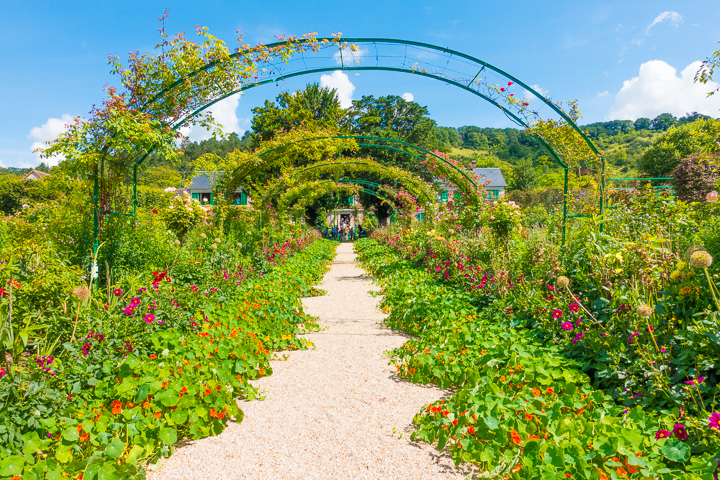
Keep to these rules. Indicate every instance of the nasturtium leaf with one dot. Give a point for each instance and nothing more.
(492, 422)
(134, 454)
(168, 397)
(143, 392)
(115, 448)
(676, 450)
(11, 466)
(555, 455)
(63, 454)
(168, 436)
(107, 472)
(32, 442)
(179, 416)
(71, 434)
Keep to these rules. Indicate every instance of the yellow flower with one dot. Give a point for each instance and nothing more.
(675, 275)
(686, 291)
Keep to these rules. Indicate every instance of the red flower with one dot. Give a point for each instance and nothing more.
(153, 356)
(155, 210)
(471, 430)
(516, 437)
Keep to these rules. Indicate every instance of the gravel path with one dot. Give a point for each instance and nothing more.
(335, 412)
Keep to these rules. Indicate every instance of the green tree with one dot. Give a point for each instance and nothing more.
(392, 117)
(314, 106)
(677, 143)
(643, 123)
(161, 177)
(524, 176)
(663, 122)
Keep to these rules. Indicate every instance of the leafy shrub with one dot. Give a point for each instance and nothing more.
(695, 177)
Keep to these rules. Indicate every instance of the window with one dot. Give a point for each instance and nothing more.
(195, 196)
(444, 196)
(243, 198)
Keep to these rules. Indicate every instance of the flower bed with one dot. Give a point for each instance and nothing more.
(521, 407)
(170, 363)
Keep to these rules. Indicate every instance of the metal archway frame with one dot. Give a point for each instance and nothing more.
(329, 163)
(336, 42)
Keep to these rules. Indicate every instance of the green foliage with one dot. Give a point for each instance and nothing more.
(313, 107)
(153, 365)
(519, 406)
(524, 176)
(396, 118)
(161, 177)
(677, 143)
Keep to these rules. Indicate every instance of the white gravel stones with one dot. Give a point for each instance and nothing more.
(336, 412)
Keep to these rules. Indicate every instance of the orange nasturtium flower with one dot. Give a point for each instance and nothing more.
(147, 405)
(157, 414)
(208, 391)
(516, 437)
(536, 392)
(213, 412)
(153, 356)
(84, 437)
(549, 390)
(116, 407)
(261, 371)
(528, 416)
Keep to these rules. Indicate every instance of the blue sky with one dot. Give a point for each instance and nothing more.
(620, 59)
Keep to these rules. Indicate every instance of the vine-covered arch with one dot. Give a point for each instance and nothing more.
(556, 129)
(416, 187)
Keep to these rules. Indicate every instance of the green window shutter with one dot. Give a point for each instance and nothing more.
(243, 198)
(195, 196)
(444, 195)
(210, 198)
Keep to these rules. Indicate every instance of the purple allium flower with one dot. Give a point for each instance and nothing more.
(566, 326)
(679, 431)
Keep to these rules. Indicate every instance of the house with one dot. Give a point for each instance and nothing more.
(495, 181)
(35, 175)
(491, 178)
(201, 189)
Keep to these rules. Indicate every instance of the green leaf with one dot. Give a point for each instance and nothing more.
(169, 397)
(492, 422)
(71, 434)
(179, 416)
(555, 455)
(115, 448)
(168, 436)
(32, 442)
(91, 471)
(676, 451)
(135, 452)
(143, 391)
(442, 439)
(107, 472)
(63, 454)
(11, 466)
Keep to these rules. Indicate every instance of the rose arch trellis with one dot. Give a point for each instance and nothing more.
(527, 109)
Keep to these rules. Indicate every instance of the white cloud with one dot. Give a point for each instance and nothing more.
(603, 94)
(342, 84)
(349, 56)
(673, 17)
(408, 97)
(47, 132)
(541, 91)
(224, 113)
(658, 89)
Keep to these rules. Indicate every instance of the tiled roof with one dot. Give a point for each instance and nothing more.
(493, 174)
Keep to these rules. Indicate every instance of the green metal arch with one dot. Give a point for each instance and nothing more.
(335, 40)
(507, 112)
(318, 165)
